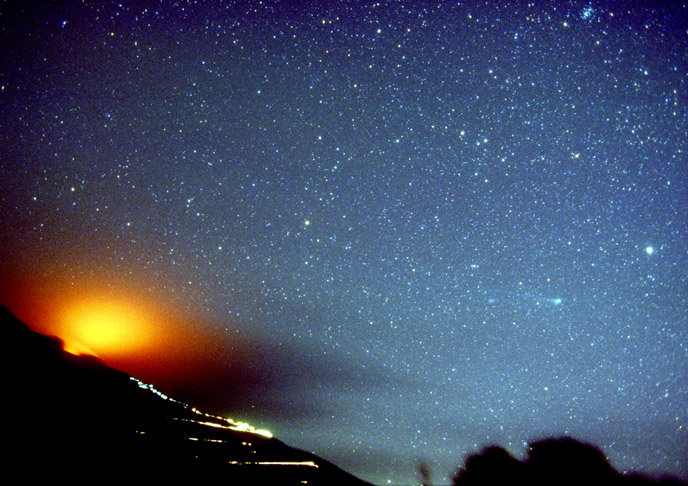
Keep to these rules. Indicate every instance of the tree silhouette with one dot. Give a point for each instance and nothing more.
(424, 473)
(560, 461)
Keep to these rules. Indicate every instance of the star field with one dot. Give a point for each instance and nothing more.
(464, 222)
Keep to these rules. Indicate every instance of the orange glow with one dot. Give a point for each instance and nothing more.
(105, 326)
(126, 325)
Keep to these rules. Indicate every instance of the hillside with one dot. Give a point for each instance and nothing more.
(72, 416)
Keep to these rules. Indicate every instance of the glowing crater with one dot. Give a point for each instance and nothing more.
(105, 326)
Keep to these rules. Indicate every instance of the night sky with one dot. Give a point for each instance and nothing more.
(385, 231)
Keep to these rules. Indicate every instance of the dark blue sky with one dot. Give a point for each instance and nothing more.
(440, 225)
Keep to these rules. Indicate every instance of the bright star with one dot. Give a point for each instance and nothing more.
(649, 250)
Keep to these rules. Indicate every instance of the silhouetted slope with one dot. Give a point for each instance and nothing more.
(72, 416)
(562, 461)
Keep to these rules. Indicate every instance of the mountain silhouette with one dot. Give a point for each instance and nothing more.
(75, 418)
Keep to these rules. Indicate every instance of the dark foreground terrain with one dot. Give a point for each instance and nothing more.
(73, 417)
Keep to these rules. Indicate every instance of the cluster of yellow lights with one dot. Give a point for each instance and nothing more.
(226, 422)
(275, 463)
(232, 425)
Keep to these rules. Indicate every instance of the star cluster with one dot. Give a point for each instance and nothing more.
(474, 212)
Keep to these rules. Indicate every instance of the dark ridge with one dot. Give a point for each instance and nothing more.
(74, 417)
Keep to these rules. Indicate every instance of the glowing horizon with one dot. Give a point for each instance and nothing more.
(121, 323)
(105, 326)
